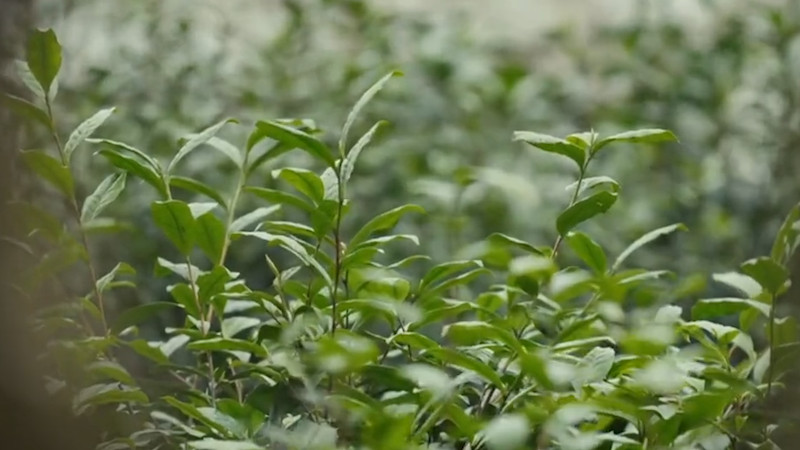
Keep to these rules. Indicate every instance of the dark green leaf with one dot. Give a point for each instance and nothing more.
(175, 219)
(593, 182)
(472, 332)
(255, 216)
(350, 160)
(293, 247)
(281, 198)
(44, 57)
(193, 185)
(584, 210)
(719, 307)
(227, 345)
(294, 138)
(26, 109)
(449, 357)
(138, 314)
(210, 236)
(51, 170)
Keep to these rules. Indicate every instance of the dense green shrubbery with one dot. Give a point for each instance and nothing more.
(347, 347)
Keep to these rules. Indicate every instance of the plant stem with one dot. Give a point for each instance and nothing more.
(76, 212)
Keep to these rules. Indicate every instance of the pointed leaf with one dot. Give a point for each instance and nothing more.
(646, 239)
(280, 197)
(382, 222)
(350, 160)
(175, 219)
(553, 145)
(196, 141)
(84, 130)
(788, 237)
(193, 185)
(648, 136)
(26, 109)
(592, 182)
(295, 139)
(106, 192)
(711, 308)
(769, 274)
(293, 247)
(365, 98)
(305, 181)
(584, 210)
(254, 216)
(210, 236)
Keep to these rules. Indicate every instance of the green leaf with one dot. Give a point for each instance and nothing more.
(584, 210)
(588, 250)
(227, 345)
(593, 182)
(150, 352)
(175, 219)
(414, 340)
(768, 273)
(646, 239)
(350, 160)
(646, 136)
(255, 216)
(84, 130)
(788, 237)
(553, 145)
(24, 73)
(305, 181)
(106, 192)
(134, 162)
(292, 247)
(294, 138)
(452, 357)
(196, 141)
(281, 198)
(103, 394)
(473, 332)
(138, 314)
(26, 109)
(106, 280)
(362, 101)
(210, 236)
(720, 307)
(213, 282)
(384, 221)
(444, 270)
(193, 185)
(500, 238)
(593, 367)
(44, 57)
(111, 370)
(51, 170)
(507, 432)
(742, 283)
(235, 325)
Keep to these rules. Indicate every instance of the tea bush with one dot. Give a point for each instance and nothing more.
(346, 346)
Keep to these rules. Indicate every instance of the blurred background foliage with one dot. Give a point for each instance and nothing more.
(728, 85)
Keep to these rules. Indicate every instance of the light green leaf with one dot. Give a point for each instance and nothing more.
(588, 250)
(584, 210)
(255, 216)
(195, 141)
(350, 160)
(219, 444)
(740, 282)
(365, 98)
(106, 192)
(227, 345)
(235, 325)
(44, 57)
(84, 130)
(646, 136)
(384, 221)
(788, 237)
(553, 145)
(500, 238)
(111, 370)
(473, 332)
(175, 219)
(646, 239)
(120, 269)
(507, 432)
(24, 73)
(593, 182)
(51, 170)
(450, 357)
(292, 247)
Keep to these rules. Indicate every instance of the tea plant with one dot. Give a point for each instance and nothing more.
(346, 349)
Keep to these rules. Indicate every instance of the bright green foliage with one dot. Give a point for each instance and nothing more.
(346, 347)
